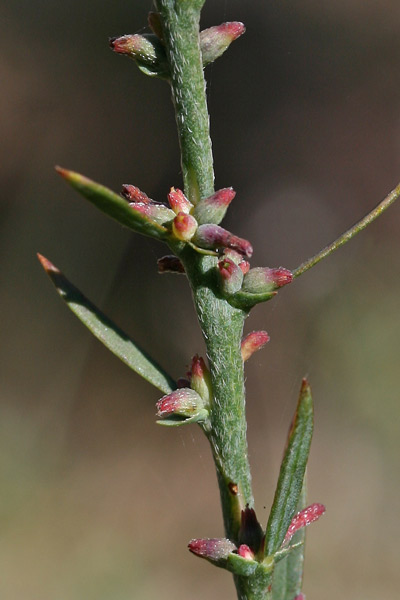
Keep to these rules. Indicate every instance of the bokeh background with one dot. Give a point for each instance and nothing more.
(97, 502)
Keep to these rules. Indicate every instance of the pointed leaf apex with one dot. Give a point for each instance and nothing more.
(46, 264)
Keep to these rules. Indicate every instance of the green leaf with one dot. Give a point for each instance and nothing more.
(246, 300)
(288, 573)
(107, 332)
(113, 205)
(292, 472)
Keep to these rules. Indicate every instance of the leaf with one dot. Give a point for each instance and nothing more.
(107, 332)
(113, 205)
(292, 472)
(288, 573)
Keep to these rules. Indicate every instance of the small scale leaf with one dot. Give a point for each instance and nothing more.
(246, 300)
(113, 205)
(107, 332)
(292, 472)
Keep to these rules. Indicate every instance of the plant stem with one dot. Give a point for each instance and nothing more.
(350, 233)
(180, 20)
(221, 324)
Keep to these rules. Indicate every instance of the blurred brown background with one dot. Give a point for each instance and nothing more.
(97, 502)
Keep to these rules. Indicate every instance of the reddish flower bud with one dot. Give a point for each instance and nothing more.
(184, 226)
(133, 194)
(253, 342)
(245, 552)
(262, 279)
(214, 237)
(215, 40)
(147, 50)
(303, 518)
(200, 379)
(178, 201)
(136, 46)
(213, 209)
(300, 597)
(159, 213)
(244, 266)
(237, 259)
(215, 550)
(231, 276)
(183, 402)
(170, 264)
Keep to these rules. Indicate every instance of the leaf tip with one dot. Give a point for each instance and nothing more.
(46, 264)
(61, 171)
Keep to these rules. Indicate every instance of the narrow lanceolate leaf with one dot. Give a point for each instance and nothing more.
(288, 573)
(107, 332)
(113, 205)
(292, 472)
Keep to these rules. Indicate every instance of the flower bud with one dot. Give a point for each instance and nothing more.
(216, 550)
(214, 237)
(237, 259)
(184, 226)
(263, 279)
(245, 552)
(133, 194)
(213, 209)
(231, 276)
(303, 518)
(170, 264)
(147, 50)
(180, 406)
(215, 40)
(253, 342)
(178, 201)
(200, 379)
(159, 213)
(300, 597)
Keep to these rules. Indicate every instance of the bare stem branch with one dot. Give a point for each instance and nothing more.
(350, 233)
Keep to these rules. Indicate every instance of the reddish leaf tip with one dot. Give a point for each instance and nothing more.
(46, 264)
(61, 171)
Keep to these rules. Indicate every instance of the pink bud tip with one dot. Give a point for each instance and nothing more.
(198, 366)
(184, 402)
(212, 548)
(300, 597)
(245, 552)
(184, 226)
(214, 237)
(253, 342)
(133, 194)
(281, 276)
(222, 197)
(234, 29)
(227, 268)
(178, 201)
(244, 266)
(303, 518)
